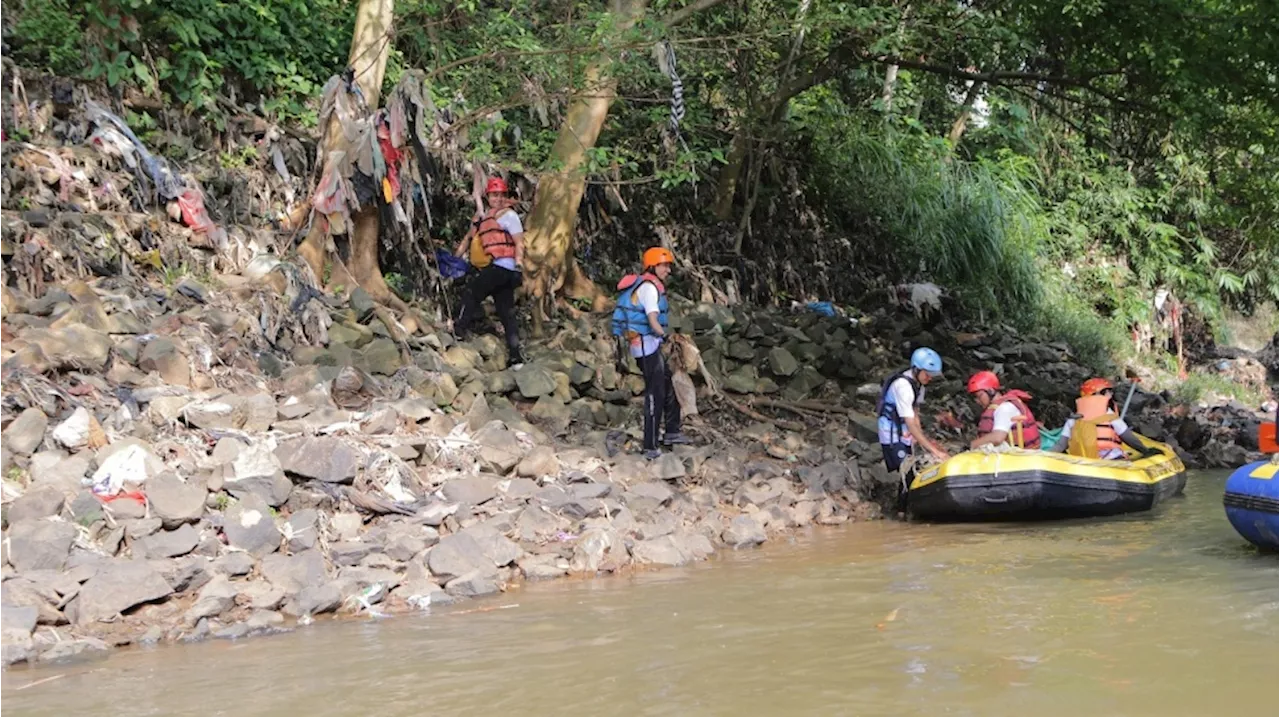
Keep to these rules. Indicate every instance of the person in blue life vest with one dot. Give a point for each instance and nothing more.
(495, 247)
(640, 318)
(898, 411)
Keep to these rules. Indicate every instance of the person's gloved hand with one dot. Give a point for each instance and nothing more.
(1151, 452)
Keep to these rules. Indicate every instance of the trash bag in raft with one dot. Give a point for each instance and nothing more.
(1048, 437)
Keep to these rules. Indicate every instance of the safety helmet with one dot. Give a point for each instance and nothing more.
(1094, 386)
(984, 381)
(658, 255)
(926, 359)
(495, 184)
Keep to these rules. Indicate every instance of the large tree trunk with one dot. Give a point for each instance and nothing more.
(962, 121)
(549, 237)
(727, 186)
(370, 47)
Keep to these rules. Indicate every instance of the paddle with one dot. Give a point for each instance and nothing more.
(1133, 386)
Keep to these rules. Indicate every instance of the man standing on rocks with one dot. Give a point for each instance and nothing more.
(640, 317)
(495, 246)
(899, 412)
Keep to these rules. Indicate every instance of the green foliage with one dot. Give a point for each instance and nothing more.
(47, 35)
(1200, 385)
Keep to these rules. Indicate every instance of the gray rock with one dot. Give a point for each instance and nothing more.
(118, 587)
(262, 595)
(500, 450)
(349, 553)
(541, 461)
(598, 550)
(473, 584)
(472, 491)
(169, 543)
(85, 649)
(316, 600)
(73, 346)
(301, 530)
(26, 432)
(249, 526)
(217, 597)
(265, 620)
(434, 514)
(744, 531)
(40, 544)
(534, 381)
(495, 546)
(667, 467)
(543, 567)
(256, 470)
(162, 356)
(35, 504)
(85, 509)
(362, 304)
(658, 493)
(57, 469)
(293, 573)
(138, 528)
(781, 362)
(174, 500)
(457, 555)
(234, 564)
(660, 551)
(329, 460)
(382, 357)
(552, 411)
(17, 622)
(186, 574)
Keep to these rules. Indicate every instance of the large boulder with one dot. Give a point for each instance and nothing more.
(329, 460)
(744, 531)
(257, 470)
(39, 502)
(500, 449)
(295, 573)
(174, 500)
(459, 555)
(535, 381)
(250, 526)
(40, 544)
(25, 434)
(74, 347)
(117, 587)
(169, 543)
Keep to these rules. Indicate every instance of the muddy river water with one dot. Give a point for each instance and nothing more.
(1167, 614)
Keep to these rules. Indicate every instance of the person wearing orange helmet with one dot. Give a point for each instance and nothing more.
(640, 319)
(1097, 399)
(1000, 411)
(495, 246)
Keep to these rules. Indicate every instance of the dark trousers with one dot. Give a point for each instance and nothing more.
(499, 283)
(895, 454)
(659, 398)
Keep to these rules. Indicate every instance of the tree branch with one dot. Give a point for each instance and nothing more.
(1006, 78)
(688, 11)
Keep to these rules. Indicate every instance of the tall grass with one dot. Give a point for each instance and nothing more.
(978, 227)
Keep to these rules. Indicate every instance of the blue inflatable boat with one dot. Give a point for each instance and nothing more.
(1252, 500)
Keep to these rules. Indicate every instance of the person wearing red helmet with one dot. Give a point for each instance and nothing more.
(1097, 400)
(1000, 411)
(640, 319)
(495, 246)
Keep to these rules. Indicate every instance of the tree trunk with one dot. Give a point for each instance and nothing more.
(958, 127)
(886, 92)
(727, 186)
(549, 237)
(370, 47)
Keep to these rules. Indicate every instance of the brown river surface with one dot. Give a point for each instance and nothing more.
(1164, 614)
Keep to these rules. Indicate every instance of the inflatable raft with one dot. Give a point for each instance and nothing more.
(1252, 501)
(1016, 484)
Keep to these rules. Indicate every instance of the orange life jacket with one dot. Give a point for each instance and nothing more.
(491, 241)
(1030, 429)
(1090, 407)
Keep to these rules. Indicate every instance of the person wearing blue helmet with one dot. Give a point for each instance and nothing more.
(898, 409)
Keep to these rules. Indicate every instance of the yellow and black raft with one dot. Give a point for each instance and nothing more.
(1006, 483)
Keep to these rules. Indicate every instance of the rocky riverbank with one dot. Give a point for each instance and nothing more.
(197, 443)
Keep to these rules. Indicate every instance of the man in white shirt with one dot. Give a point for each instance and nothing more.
(640, 317)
